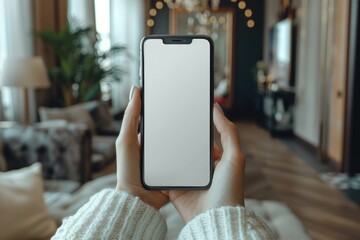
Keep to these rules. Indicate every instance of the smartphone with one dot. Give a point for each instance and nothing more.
(176, 74)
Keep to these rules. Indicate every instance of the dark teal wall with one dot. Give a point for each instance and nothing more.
(248, 49)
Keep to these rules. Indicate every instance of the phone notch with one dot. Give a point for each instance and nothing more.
(177, 40)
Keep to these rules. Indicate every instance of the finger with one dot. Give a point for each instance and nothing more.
(217, 152)
(217, 140)
(130, 121)
(228, 131)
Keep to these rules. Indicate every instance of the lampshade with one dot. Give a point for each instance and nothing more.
(24, 73)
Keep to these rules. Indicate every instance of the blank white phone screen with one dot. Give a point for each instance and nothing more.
(176, 85)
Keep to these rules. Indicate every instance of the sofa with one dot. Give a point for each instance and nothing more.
(56, 158)
(64, 150)
(97, 117)
(48, 177)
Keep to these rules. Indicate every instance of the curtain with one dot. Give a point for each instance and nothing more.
(81, 12)
(127, 27)
(16, 42)
(18, 20)
(47, 14)
(1, 106)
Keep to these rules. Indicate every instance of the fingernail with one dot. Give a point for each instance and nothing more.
(131, 94)
(219, 107)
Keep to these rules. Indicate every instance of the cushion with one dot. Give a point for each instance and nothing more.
(56, 123)
(14, 148)
(73, 114)
(23, 212)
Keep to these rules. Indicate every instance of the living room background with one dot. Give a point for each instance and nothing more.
(122, 23)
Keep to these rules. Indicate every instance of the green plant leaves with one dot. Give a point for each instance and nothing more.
(79, 61)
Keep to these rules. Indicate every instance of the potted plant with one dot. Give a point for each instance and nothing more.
(80, 65)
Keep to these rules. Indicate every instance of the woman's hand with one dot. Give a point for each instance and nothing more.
(227, 186)
(128, 155)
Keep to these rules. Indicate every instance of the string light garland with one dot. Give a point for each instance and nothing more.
(150, 22)
(248, 13)
(242, 5)
(152, 12)
(159, 5)
(250, 23)
(172, 4)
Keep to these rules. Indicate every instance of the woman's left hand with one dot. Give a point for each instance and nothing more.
(128, 156)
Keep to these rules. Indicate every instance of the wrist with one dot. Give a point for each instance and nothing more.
(153, 198)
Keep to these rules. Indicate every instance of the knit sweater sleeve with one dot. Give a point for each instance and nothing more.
(226, 223)
(111, 214)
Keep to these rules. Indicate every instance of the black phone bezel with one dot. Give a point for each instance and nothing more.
(176, 39)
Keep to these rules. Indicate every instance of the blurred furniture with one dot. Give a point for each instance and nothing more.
(98, 119)
(64, 198)
(64, 151)
(274, 110)
(27, 73)
(23, 211)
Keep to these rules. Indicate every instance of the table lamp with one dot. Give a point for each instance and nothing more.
(27, 73)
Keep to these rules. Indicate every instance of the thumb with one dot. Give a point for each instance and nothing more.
(130, 121)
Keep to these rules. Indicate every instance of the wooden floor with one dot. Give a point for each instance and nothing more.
(274, 172)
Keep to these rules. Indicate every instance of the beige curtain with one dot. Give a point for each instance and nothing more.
(47, 14)
(51, 14)
(127, 27)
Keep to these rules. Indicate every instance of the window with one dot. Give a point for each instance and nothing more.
(102, 23)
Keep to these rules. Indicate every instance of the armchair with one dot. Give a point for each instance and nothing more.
(64, 151)
(97, 117)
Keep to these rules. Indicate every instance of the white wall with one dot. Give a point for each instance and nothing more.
(308, 73)
(271, 14)
(127, 27)
(308, 69)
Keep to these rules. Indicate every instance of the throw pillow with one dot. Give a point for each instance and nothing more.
(72, 114)
(99, 111)
(52, 123)
(81, 115)
(52, 113)
(23, 212)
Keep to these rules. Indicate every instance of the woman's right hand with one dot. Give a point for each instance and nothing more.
(227, 187)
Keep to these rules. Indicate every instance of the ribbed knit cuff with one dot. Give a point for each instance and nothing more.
(111, 214)
(226, 223)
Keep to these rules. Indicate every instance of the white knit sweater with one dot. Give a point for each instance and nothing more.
(111, 214)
